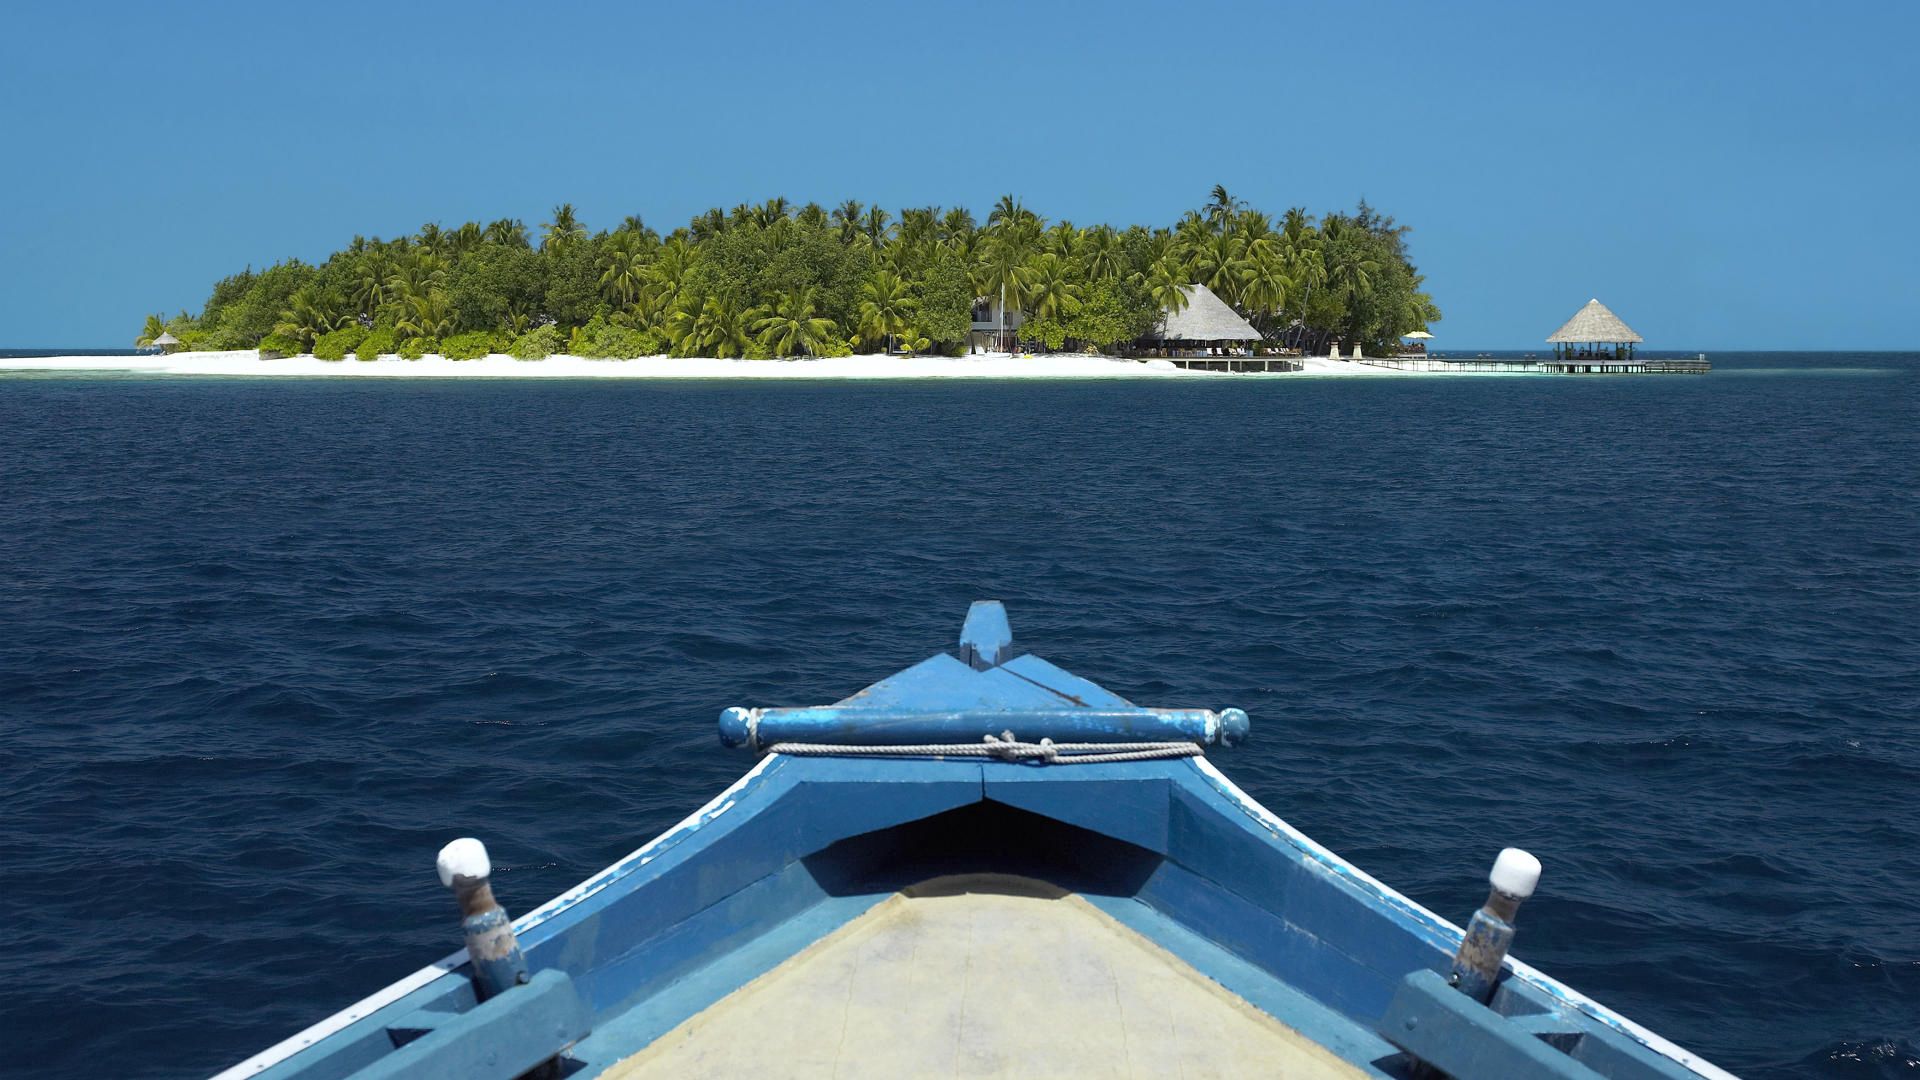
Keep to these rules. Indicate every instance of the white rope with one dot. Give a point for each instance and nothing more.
(1005, 748)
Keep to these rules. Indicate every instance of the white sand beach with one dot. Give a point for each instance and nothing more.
(978, 366)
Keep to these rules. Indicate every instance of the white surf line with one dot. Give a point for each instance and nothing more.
(978, 366)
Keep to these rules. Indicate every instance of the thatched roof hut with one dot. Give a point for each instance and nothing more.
(1206, 318)
(1594, 324)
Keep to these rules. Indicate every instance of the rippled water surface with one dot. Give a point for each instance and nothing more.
(265, 645)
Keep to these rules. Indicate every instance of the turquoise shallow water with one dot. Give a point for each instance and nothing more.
(265, 644)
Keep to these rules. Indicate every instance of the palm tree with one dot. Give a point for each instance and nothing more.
(1265, 288)
(919, 226)
(417, 274)
(1158, 244)
(707, 326)
(1296, 238)
(1051, 291)
(431, 237)
(913, 341)
(623, 266)
(723, 326)
(465, 238)
(508, 232)
(682, 326)
(957, 231)
(1301, 252)
(1008, 210)
(1167, 283)
(369, 284)
(430, 315)
(885, 306)
(1221, 207)
(1000, 266)
(1191, 232)
(149, 333)
(563, 231)
(1256, 234)
(1349, 268)
(774, 209)
(1217, 265)
(792, 325)
(668, 271)
(1059, 239)
(309, 314)
(875, 228)
(1102, 253)
(899, 258)
(709, 225)
(847, 217)
(812, 215)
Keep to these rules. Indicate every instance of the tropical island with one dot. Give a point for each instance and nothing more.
(774, 280)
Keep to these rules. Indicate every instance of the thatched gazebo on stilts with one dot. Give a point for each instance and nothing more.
(1593, 341)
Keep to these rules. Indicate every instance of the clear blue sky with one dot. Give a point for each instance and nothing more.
(1723, 175)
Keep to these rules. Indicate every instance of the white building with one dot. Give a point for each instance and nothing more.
(987, 327)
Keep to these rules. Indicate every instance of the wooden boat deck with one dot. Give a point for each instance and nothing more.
(983, 975)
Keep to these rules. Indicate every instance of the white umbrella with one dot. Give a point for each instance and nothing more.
(1417, 334)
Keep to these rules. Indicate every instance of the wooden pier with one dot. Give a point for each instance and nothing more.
(1480, 365)
(1625, 367)
(1254, 364)
(1548, 366)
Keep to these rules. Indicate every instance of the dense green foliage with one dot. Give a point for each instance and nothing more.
(376, 344)
(471, 345)
(603, 340)
(774, 280)
(536, 344)
(280, 345)
(336, 344)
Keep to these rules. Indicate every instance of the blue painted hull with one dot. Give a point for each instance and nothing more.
(801, 845)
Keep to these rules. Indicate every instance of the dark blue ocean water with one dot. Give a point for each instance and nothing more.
(12, 354)
(266, 644)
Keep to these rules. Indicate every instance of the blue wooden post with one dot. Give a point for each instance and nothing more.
(498, 964)
(1476, 967)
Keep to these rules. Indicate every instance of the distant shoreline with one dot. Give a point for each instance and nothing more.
(247, 363)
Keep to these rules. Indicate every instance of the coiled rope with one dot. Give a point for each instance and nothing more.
(1005, 747)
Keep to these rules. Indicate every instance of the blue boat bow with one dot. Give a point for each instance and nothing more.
(908, 803)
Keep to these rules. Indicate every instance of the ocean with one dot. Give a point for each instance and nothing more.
(265, 645)
(15, 354)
